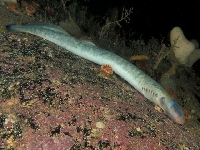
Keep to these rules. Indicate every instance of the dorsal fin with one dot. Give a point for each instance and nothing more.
(47, 26)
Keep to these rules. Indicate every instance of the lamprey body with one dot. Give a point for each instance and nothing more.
(88, 50)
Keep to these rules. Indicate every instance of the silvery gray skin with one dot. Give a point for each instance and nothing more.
(88, 50)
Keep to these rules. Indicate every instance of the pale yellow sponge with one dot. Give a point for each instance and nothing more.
(193, 57)
(182, 47)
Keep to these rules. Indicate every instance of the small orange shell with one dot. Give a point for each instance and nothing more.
(106, 69)
(31, 8)
(14, 7)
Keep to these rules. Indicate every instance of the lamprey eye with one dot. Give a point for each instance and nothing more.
(162, 100)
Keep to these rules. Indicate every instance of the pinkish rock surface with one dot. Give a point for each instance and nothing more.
(58, 101)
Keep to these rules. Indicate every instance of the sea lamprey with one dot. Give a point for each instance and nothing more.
(88, 50)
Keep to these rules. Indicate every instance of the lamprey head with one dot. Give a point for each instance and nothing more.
(173, 110)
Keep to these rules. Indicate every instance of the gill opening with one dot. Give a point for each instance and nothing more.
(149, 92)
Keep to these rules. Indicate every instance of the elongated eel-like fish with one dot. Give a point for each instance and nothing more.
(88, 50)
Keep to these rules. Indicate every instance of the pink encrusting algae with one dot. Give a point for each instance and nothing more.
(56, 101)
